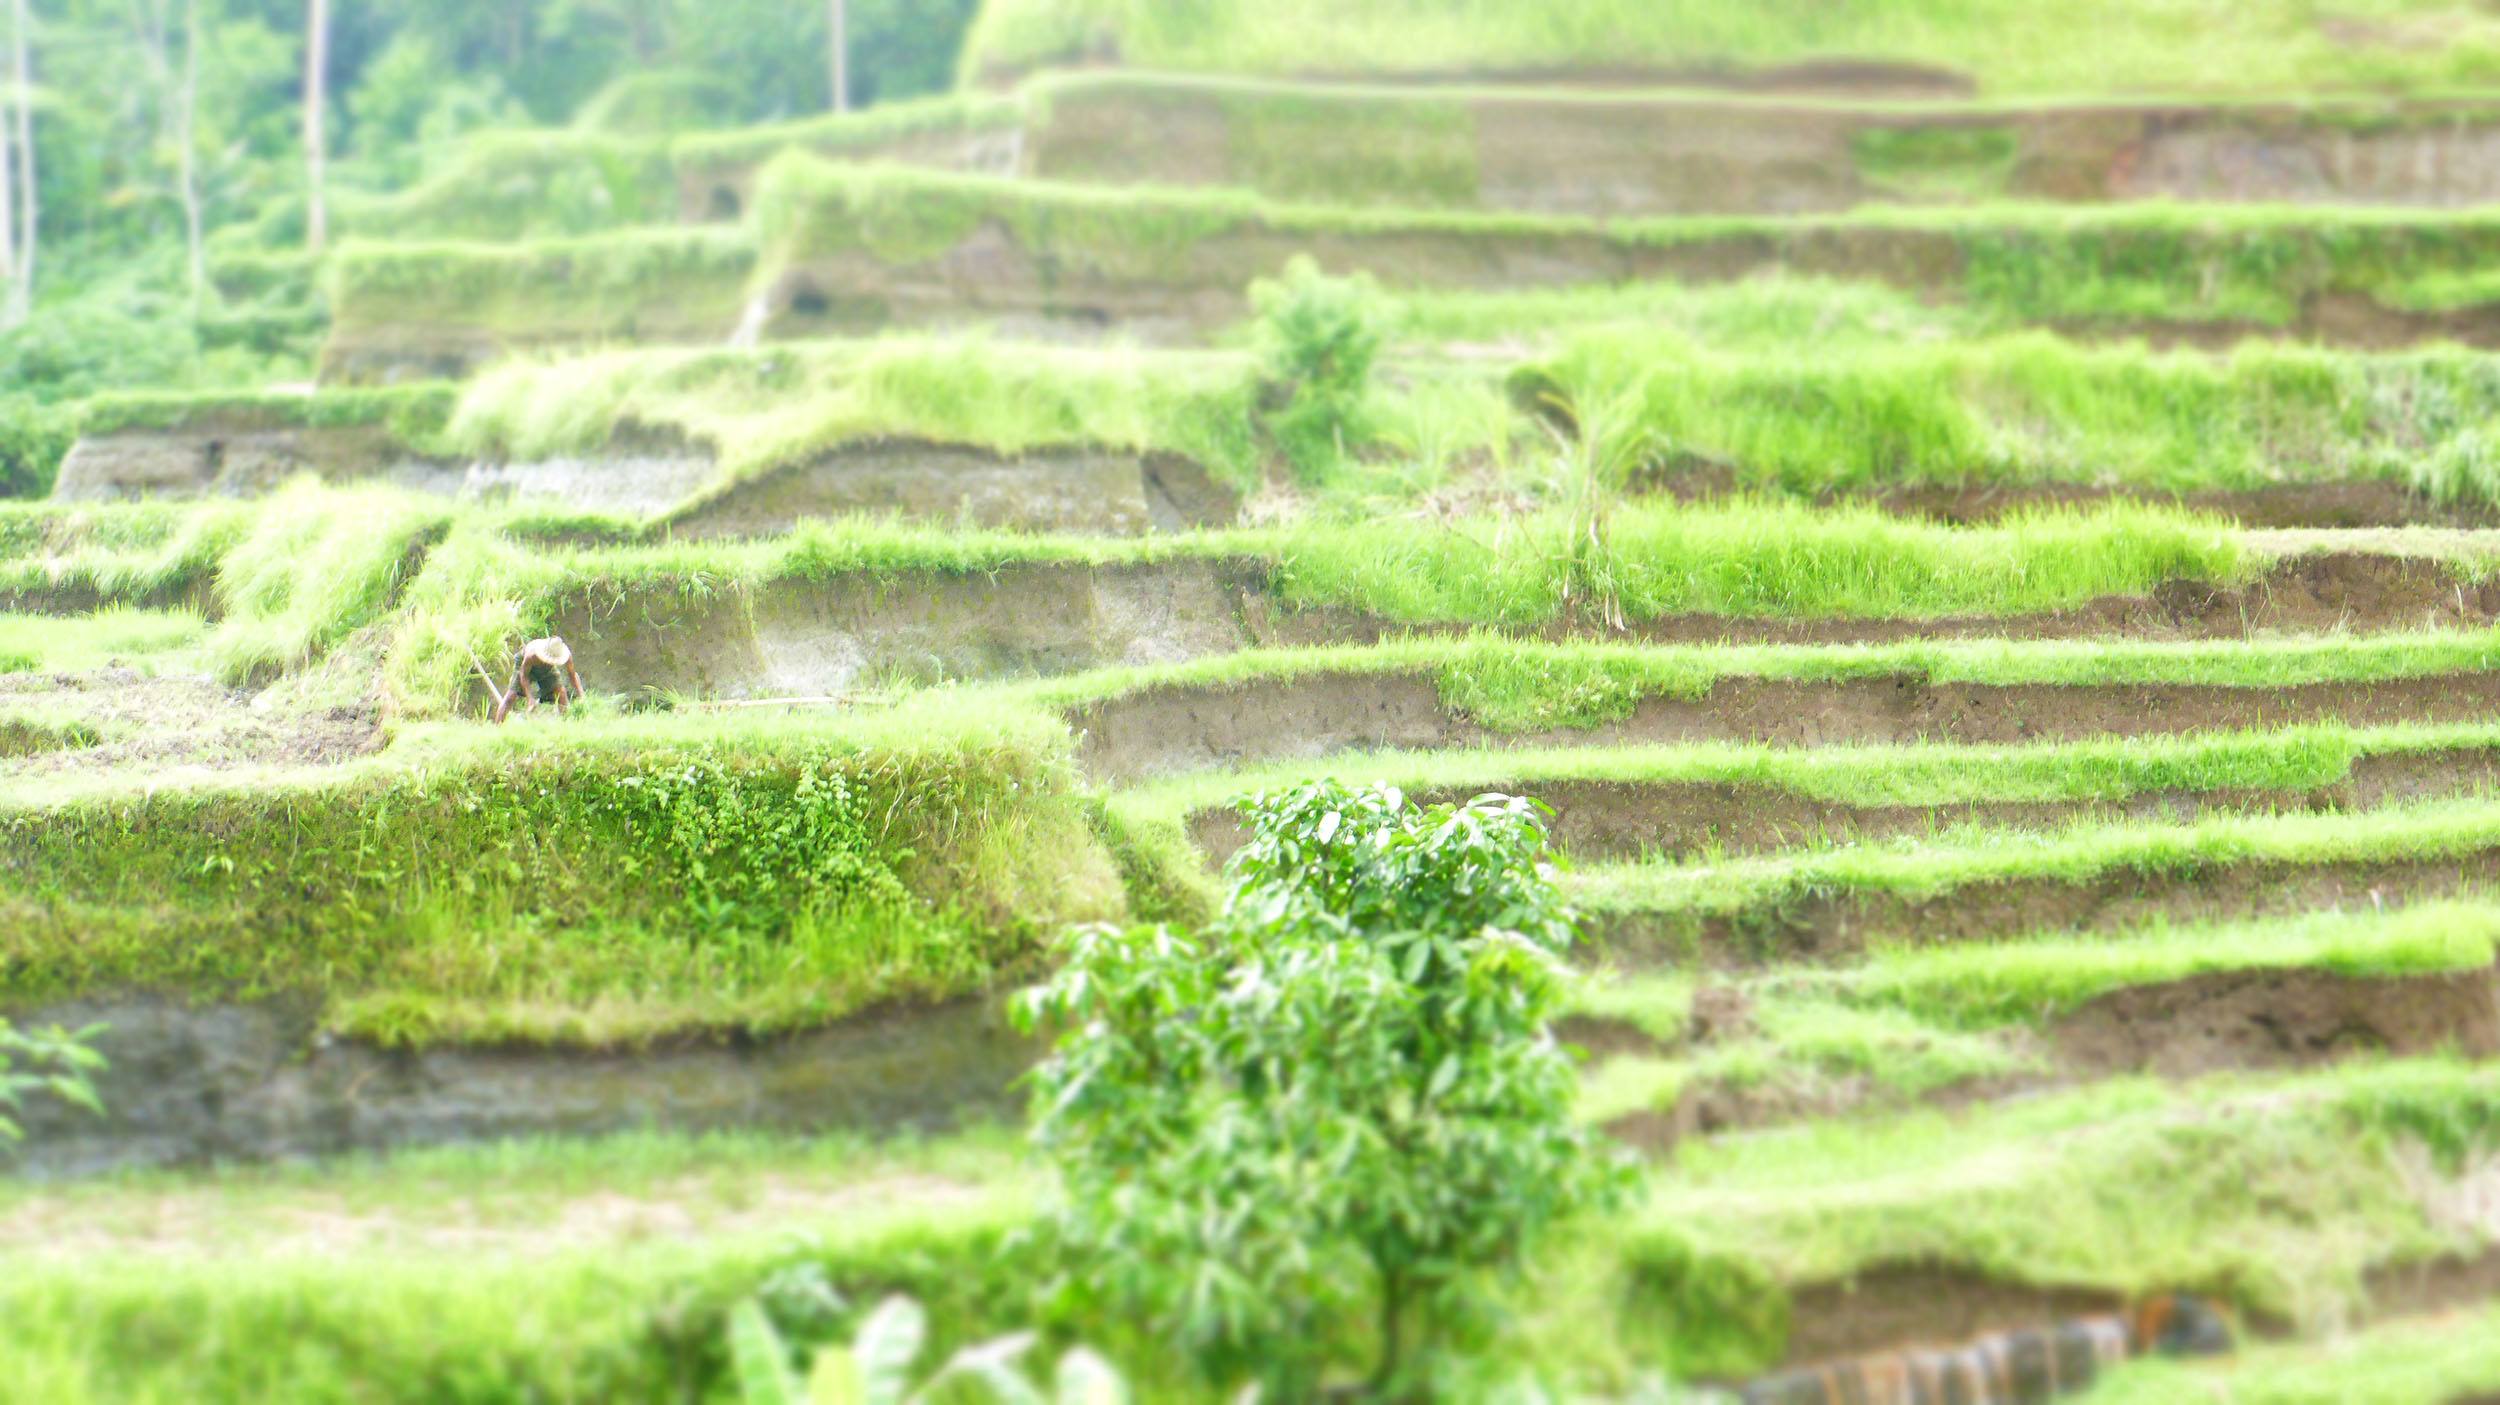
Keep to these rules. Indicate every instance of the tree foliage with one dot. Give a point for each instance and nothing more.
(131, 145)
(1318, 1127)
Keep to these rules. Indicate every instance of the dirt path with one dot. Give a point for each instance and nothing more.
(211, 1219)
(147, 723)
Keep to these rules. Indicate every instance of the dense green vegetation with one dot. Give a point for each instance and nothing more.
(2132, 1185)
(637, 880)
(1367, 1014)
(1515, 686)
(760, 410)
(2001, 46)
(170, 174)
(2032, 410)
(1676, 902)
(2304, 758)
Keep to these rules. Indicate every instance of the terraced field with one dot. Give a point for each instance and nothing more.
(1993, 577)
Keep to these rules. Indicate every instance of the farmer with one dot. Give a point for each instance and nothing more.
(542, 672)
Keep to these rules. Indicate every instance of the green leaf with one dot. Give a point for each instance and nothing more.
(889, 1341)
(760, 1358)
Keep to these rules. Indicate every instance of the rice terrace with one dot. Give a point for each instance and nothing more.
(1531, 701)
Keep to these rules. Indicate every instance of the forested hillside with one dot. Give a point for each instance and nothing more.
(169, 174)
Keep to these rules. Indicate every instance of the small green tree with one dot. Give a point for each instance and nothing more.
(54, 1061)
(1318, 338)
(1338, 1104)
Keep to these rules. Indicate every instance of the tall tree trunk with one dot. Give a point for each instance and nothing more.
(839, 19)
(186, 144)
(29, 225)
(8, 209)
(316, 145)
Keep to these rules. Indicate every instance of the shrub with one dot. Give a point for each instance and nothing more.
(1318, 338)
(34, 438)
(1341, 1095)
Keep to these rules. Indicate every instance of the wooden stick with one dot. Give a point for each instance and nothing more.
(502, 699)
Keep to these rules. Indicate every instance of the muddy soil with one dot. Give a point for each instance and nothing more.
(1596, 820)
(1898, 1305)
(1173, 730)
(192, 1085)
(2278, 1020)
(148, 723)
(1072, 489)
(827, 637)
(234, 460)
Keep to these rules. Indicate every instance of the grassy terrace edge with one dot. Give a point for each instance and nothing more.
(1711, 1277)
(477, 886)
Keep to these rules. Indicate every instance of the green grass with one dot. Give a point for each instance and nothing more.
(1971, 859)
(761, 410)
(1908, 1021)
(2286, 762)
(136, 553)
(592, 1271)
(1753, 560)
(1991, 984)
(2131, 1186)
(665, 284)
(2105, 267)
(638, 878)
(2437, 1361)
(1735, 559)
(316, 565)
(527, 1266)
(1514, 685)
(2094, 47)
(2034, 410)
(2034, 978)
(1773, 312)
(2310, 757)
(852, 133)
(79, 643)
(414, 414)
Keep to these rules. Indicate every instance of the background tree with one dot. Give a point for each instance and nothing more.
(22, 80)
(316, 135)
(1340, 1103)
(838, 19)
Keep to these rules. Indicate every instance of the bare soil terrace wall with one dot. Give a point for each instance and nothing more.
(191, 1084)
(1073, 488)
(1688, 153)
(811, 636)
(1090, 278)
(1165, 731)
(1609, 819)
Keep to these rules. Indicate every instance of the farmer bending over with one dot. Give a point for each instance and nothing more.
(542, 672)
